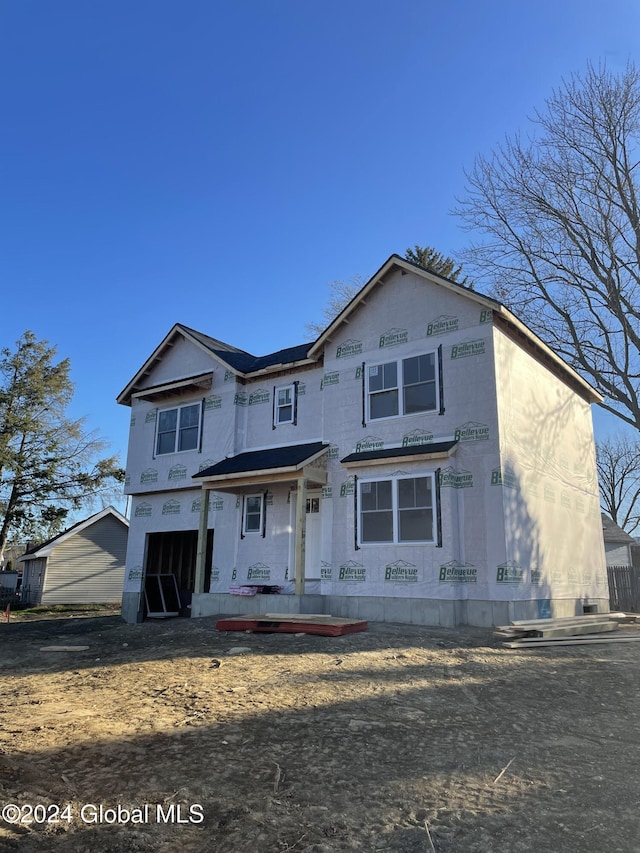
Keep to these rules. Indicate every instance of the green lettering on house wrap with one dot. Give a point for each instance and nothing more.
(369, 443)
(442, 325)
(262, 395)
(468, 348)
(509, 572)
(352, 572)
(456, 572)
(472, 431)
(450, 478)
(416, 438)
(259, 572)
(400, 572)
(349, 348)
(393, 338)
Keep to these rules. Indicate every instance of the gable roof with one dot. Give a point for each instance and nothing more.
(238, 361)
(507, 321)
(45, 548)
(290, 457)
(613, 533)
(245, 364)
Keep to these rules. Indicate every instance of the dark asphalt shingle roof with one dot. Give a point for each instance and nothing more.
(261, 460)
(394, 452)
(245, 362)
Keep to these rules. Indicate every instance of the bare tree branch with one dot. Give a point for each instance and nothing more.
(558, 216)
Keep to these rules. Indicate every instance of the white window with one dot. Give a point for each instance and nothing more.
(284, 405)
(403, 387)
(253, 514)
(397, 510)
(178, 429)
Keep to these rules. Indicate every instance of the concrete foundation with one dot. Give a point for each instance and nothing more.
(409, 611)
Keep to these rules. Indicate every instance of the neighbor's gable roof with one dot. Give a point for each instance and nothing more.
(45, 549)
(508, 322)
(613, 533)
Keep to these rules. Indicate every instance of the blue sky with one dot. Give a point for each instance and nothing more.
(218, 163)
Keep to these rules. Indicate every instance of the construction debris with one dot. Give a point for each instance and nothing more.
(566, 631)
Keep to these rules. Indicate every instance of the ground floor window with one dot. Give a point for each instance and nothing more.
(253, 514)
(397, 510)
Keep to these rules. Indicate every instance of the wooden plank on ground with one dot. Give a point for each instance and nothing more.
(573, 630)
(561, 620)
(595, 636)
(570, 641)
(329, 626)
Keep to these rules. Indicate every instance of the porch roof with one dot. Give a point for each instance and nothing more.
(276, 463)
(433, 450)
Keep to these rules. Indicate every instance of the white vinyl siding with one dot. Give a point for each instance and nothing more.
(88, 567)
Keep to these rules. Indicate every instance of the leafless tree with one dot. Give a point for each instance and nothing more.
(556, 223)
(618, 462)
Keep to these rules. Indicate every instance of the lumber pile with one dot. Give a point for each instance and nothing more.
(566, 631)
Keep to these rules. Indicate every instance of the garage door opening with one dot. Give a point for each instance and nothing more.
(175, 554)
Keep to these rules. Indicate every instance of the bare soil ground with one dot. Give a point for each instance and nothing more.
(389, 740)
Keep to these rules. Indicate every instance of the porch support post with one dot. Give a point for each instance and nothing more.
(201, 554)
(301, 534)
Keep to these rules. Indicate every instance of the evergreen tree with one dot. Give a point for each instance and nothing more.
(429, 259)
(342, 292)
(49, 464)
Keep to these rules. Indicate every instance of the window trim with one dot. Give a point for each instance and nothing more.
(400, 387)
(293, 387)
(176, 442)
(245, 513)
(395, 509)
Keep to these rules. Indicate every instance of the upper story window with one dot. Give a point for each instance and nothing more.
(397, 510)
(284, 405)
(178, 429)
(403, 387)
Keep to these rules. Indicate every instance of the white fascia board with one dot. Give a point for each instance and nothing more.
(124, 397)
(172, 386)
(395, 261)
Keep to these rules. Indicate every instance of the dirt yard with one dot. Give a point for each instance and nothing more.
(396, 739)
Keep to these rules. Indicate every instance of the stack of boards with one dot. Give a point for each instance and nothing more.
(290, 623)
(567, 631)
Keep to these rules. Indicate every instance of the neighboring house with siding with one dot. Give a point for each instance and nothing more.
(427, 459)
(82, 565)
(617, 543)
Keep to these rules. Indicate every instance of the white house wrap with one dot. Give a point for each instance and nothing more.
(427, 459)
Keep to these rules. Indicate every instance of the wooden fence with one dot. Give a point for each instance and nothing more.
(624, 588)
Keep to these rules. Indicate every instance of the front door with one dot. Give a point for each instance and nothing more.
(313, 538)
